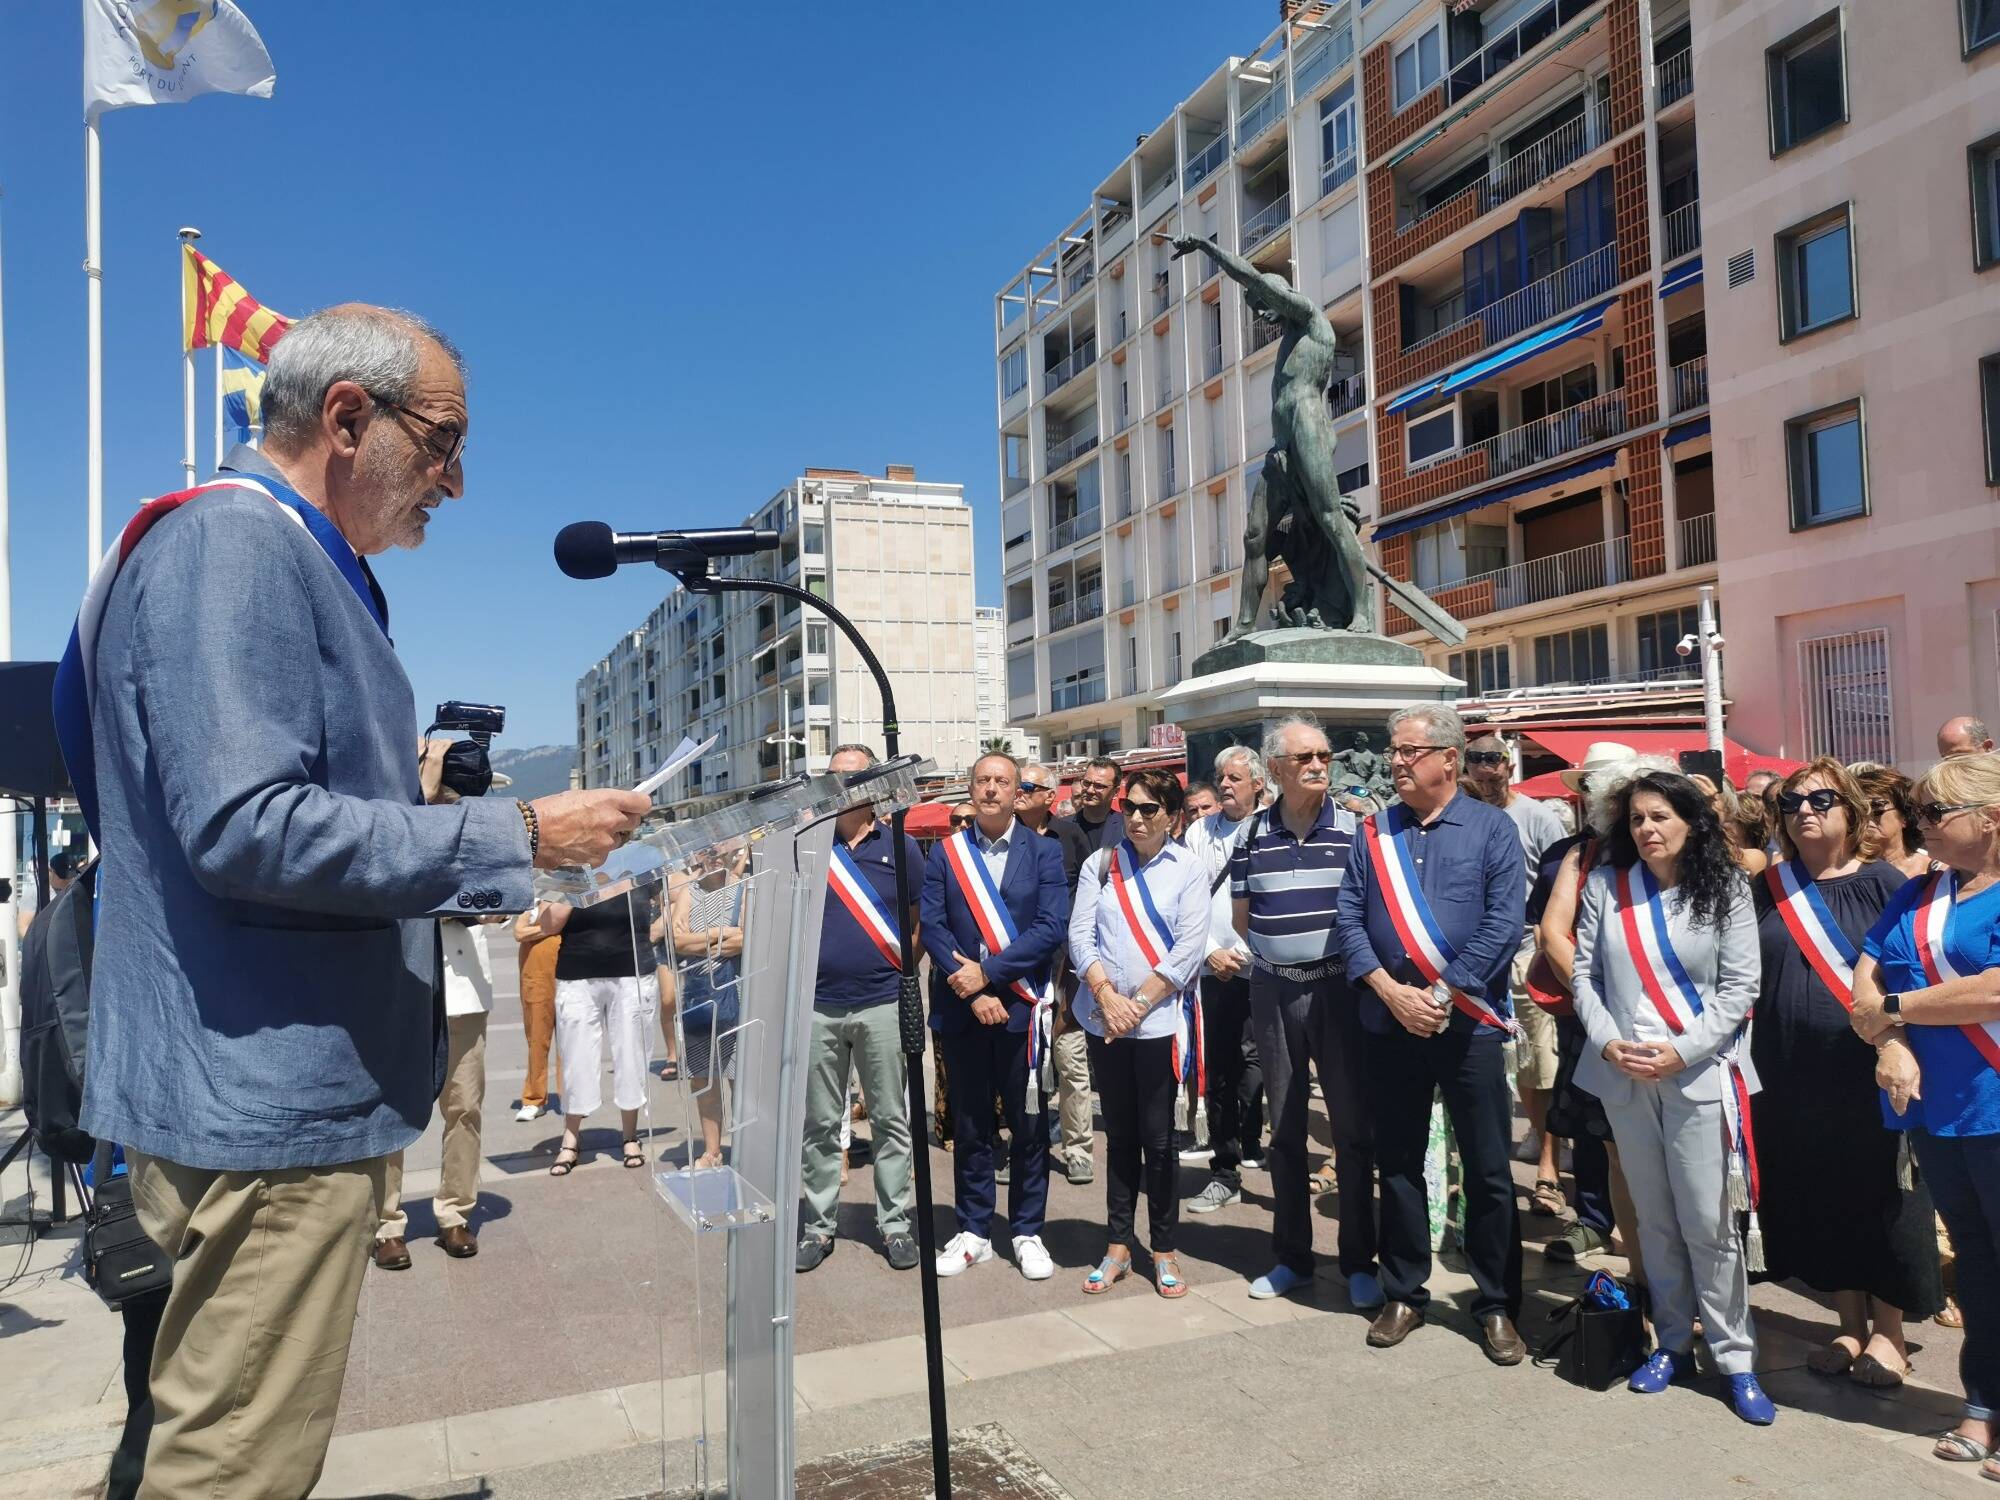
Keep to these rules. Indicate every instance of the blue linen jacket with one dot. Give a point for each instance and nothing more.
(264, 993)
(1037, 896)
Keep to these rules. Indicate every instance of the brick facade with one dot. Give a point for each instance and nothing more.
(1388, 127)
(1645, 506)
(1632, 208)
(1642, 388)
(1628, 78)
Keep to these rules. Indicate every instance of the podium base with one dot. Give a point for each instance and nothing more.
(986, 1464)
(712, 1199)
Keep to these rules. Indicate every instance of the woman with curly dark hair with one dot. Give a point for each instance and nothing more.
(1892, 835)
(1666, 972)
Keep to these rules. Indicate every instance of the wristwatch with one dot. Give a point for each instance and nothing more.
(1892, 1007)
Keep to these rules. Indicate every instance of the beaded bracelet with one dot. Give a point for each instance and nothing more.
(534, 826)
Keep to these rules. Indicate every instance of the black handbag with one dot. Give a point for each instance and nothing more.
(119, 1261)
(1593, 1345)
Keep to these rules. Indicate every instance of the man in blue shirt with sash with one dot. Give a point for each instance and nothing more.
(855, 1027)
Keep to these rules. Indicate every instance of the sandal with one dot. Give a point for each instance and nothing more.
(1324, 1181)
(1547, 1198)
(1957, 1448)
(1950, 1316)
(1871, 1372)
(1167, 1276)
(561, 1168)
(634, 1156)
(1110, 1271)
(669, 1071)
(1831, 1359)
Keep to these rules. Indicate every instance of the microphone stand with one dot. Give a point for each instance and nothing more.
(692, 570)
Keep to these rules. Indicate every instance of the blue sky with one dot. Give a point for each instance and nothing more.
(687, 248)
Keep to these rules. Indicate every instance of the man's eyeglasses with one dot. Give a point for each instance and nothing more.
(1142, 809)
(454, 437)
(1308, 758)
(1935, 813)
(1486, 757)
(1821, 801)
(1413, 752)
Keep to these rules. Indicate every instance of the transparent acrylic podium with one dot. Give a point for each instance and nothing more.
(726, 920)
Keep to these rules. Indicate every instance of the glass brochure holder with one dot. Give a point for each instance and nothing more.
(725, 929)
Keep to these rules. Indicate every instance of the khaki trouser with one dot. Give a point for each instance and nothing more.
(460, 1105)
(869, 1039)
(252, 1348)
(538, 1015)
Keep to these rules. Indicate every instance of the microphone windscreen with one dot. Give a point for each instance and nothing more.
(584, 549)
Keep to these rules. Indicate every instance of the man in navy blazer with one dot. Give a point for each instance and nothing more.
(983, 1023)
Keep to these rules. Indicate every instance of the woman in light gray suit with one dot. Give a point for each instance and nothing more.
(1666, 973)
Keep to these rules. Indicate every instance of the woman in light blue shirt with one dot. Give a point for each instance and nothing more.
(1138, 930)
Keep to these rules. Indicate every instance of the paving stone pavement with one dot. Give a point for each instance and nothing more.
(561, 1363)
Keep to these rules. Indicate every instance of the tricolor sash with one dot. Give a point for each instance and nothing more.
(1933, 923)
(1155, 937)
(997, 932)
(1806, 917)
(1410, 912)
(845, 880)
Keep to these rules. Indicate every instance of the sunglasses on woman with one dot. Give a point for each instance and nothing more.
(1142, 809)
(1821, 801)
(1486, 757)
(1935, 813)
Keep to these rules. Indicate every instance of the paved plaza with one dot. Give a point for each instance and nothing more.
(538, 1369)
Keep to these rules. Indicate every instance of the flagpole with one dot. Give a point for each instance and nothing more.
(93, 271)
(218, 407)
(10, 983)
(187, 237)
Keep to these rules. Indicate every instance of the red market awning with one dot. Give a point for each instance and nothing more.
(1571, 745)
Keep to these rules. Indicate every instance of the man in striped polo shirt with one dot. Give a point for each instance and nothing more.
(1283, 879)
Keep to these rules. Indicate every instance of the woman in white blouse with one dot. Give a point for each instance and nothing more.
(1137, 932)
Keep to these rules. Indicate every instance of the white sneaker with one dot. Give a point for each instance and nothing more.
(1530, 1148)
(964, 1249)
(1197, 1156)
(1033, 1258)
(527, 1112)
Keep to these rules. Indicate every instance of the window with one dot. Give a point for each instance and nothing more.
(1846, 706)
(1485, 669)
(1352, 479)
(1418, 65)
(1816, 274)
(1807, 83)
(1021, 674)
(1433, 435)
(1659, 635)
(1573, 656)
(1827, 462)
(1558, 393)
(1981, 19)
(1989, 409)
(1336, 137)
(1013, 371)
(1985, 163)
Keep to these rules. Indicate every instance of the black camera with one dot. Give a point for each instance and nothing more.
(470, 727)
(478, 722)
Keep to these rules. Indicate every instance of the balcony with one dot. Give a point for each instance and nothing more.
(1266, 222)
(1125, 505)
(1087, 689)
(1681, 231)
(1264, 331)
(1074, 528)
(1337, 171)
(1691, 384)
(1174, 670)
(1169, 485)
(1166, 394)
(1211, 360)
(1021, 630)
(1131, 681)
(1076, 611)
(1673, 78)
(1600, 565)
(1163, 294)
(1510, 46)
(1593, 421)
(1080, 278)
(1062, 450)
(1697, 540)
(1347, 395)
(1262, 115)
(1219, 560)
(1531, 166)
(1063, 371)
(1319, 62)
(1556, 293)
(1213, 155)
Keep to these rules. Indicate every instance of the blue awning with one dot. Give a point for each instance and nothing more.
(1687, 432)
(1681, 277)
(1507, 356)
(1485, 498)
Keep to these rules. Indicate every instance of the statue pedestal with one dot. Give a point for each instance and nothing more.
(1347, 682)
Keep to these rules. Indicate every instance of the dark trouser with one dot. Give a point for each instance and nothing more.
(128, 1459)
(1591, 1163)
(1314, 1022)
(1468, 1067)
(1964, 1176)
(1235, 1076)
(1135, 1087)
(983, 1061)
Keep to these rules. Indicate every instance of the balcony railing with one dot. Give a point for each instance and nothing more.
(1079, 359)
(1320, 61)
(1674, 77)
(1166, 391)
(1574, 427)
(1168, 484)
(1262, 115)
(1266, 222)
(1124, 503)
(1506, 49)
(1537, 302)
(1691, 384)
(1211, 361)
(1124, 415)
(1163, 294)
(1338, 170)
(1131, 680)
(1219, 560)
(1088, 688)
(1070, 528)
(1075, 611)
(1682, 230)
(1063, 449)
(1697, 540)
(1173, 670)
(1080, 278)
(1598, 566)
(1347, 395)
(1264, 331)
(1533, 164)
(1213, 155)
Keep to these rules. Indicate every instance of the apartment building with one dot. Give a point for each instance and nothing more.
(989, 674)
(772, 679)
(1850, 157)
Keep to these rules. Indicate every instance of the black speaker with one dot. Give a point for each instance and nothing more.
(31, 763)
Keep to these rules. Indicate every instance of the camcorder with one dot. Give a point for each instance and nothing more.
(471, 728)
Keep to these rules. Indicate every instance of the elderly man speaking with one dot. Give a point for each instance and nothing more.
(267, 1025)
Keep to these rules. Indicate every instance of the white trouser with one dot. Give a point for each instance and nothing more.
(588, 1009)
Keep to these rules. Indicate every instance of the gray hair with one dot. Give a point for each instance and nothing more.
(1254, 762)
(1274, 737)
(855, 749)
(377, 348)
(1440, 721)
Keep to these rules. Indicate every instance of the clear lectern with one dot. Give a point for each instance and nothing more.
(725, 925)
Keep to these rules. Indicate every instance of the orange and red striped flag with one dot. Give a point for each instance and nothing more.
(216, 310)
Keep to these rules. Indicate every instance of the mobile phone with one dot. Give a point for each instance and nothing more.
(1702, 763)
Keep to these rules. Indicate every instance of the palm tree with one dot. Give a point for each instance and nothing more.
(998, 745)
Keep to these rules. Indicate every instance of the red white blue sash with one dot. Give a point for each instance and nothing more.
(1933, 924)
(1410, 912)
(1806, 917)
(997, 932)
(845, 880)
(1155, 938)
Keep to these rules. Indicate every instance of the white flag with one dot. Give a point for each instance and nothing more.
(165, 51)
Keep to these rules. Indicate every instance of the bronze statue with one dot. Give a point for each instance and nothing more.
(1360, 766)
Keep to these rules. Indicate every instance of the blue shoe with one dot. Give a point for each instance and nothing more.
(1276, 1282)
(1661, 1371)
(1751, 1404)
(1365, 1292)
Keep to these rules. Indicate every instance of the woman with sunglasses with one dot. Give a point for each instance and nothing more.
(1893, 835)
(1829, 1205)
(1138, 930)
(1927, 995)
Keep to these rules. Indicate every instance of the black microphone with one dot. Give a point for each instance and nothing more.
(590, 549)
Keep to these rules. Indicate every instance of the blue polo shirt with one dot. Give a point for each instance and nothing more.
(1291, 883)
(852, 970)
(1961, 1093)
